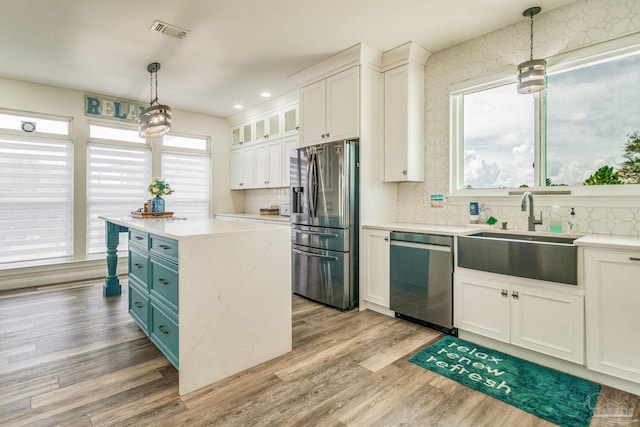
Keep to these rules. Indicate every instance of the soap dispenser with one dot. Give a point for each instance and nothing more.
(555, 224)
(574, 227)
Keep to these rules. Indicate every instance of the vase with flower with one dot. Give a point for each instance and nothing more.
(158, 188)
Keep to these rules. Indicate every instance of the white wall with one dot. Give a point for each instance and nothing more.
(579, 24)
(23, 96)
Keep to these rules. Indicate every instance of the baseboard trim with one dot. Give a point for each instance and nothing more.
(53, 274)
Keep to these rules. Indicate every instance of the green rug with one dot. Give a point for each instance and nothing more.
(555, 396)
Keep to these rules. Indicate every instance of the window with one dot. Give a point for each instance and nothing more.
(37, 124)
(560, 137)
(186, 165)
(498, 138)
(189, 176)
(36, 201)
(590, 112)
(115, 134)
(117, 178)
(120, 168)
(190, 143)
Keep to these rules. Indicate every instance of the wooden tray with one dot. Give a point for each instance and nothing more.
(136, 214)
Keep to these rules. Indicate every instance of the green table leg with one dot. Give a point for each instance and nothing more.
(112, 238)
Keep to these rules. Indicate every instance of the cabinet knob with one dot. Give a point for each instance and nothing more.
(322, 136)
(138, 304)
(137, 265)
(163, 330)
(515, 295)
(386, 239)
(404, 172)
(327, 136)
(163, 282)
(504, 293)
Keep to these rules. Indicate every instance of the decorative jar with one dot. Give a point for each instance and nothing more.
(157, 204)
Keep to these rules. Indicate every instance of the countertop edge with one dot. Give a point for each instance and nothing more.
(276, 218)
(448, 230)
(191, 229)
(600, 241)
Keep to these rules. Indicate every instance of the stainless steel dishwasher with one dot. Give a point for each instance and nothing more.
(421, 276)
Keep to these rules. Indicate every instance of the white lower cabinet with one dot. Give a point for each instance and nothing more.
(612, 291)
(548, 318)
(375, 259)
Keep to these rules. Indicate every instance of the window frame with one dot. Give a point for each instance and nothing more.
(563, 62)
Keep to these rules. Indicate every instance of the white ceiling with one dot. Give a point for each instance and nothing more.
(235, 48)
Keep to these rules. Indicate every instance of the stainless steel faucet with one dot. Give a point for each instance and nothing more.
(532, 218)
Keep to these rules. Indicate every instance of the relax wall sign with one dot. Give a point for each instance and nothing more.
(113, 109)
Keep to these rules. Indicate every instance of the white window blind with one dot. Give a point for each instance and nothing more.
(189, 175)
(36, 199)
(117, 181)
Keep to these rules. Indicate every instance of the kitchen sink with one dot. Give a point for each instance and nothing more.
(542, 257)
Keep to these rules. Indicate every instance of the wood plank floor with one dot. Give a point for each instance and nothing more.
(70, 357)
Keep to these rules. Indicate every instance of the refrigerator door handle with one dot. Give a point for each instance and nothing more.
(310, 182)
(313, 184)
(315, 233)
(314, 255)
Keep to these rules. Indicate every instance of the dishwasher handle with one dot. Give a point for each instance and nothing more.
(422, 246)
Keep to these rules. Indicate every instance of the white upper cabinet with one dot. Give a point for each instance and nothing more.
(262, 164)
(242, 134)
(330, 108)
(343, 105)
(268, 164)
(313, 113)
(404, 113)
(242, 167)
(290, 124)
(268, 127)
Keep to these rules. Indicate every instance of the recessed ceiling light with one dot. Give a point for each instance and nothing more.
(238, 106)
(265, 94)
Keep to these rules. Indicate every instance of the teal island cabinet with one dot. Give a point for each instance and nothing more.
(214, 296)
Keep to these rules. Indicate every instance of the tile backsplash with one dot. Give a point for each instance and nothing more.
(623, 221)
(256, 199)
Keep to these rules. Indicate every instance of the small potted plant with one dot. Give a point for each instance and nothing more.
(158, 188)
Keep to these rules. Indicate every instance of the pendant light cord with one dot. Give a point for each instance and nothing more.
(153, 100)
(531, 36)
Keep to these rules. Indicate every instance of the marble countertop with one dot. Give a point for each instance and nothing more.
(449, 230)
(185, 228)
(277, 218)
(609, 242)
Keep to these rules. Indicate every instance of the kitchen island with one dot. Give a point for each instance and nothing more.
(214, 296)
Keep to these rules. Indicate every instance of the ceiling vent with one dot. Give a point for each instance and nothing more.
(169, 30)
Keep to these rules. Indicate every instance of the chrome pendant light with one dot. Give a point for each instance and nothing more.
(154, 121)
(532, 75)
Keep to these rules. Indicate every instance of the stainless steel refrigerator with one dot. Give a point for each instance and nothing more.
(324, 223)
